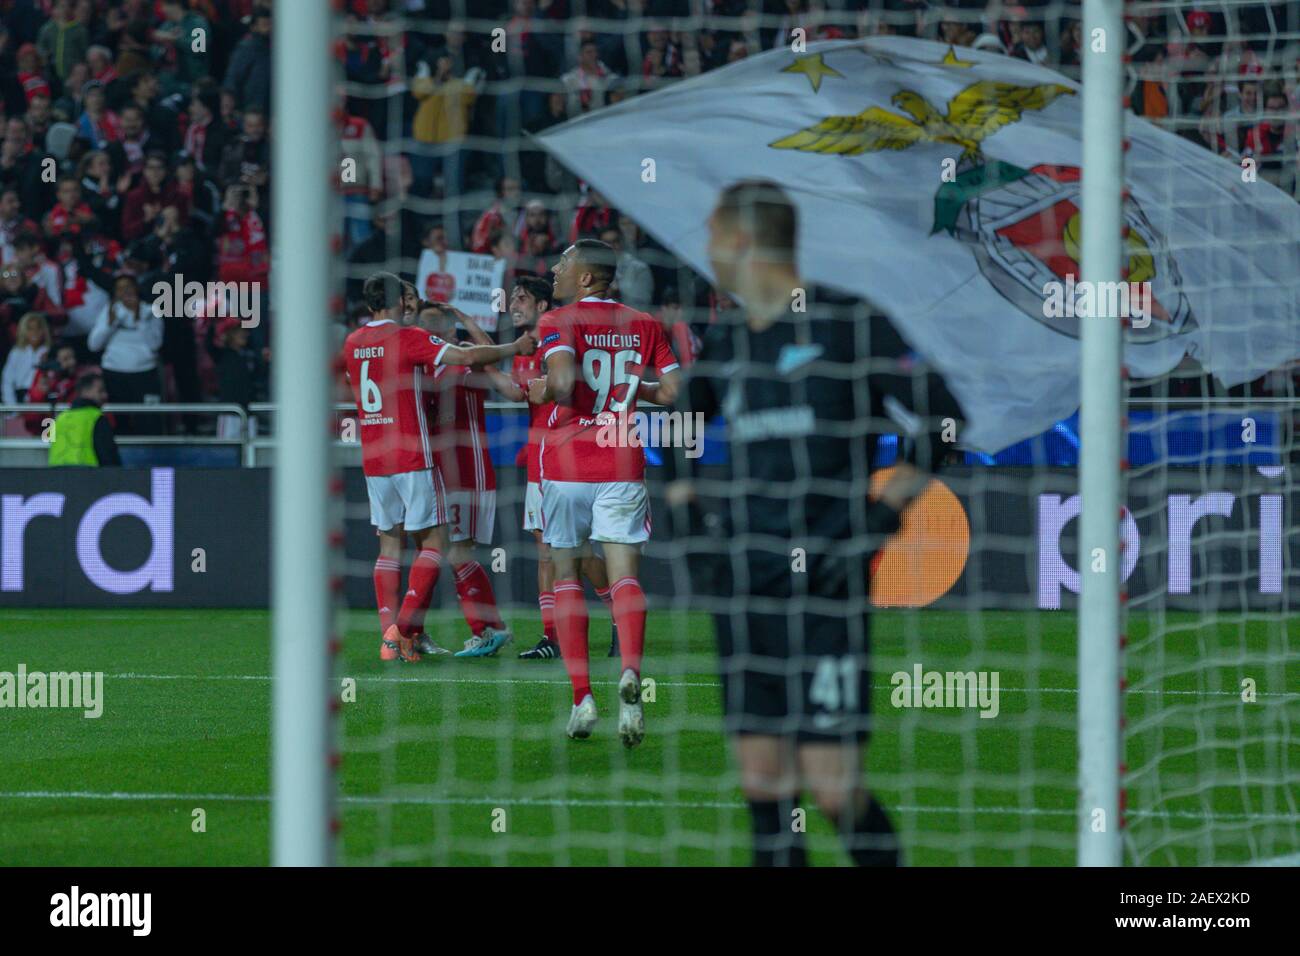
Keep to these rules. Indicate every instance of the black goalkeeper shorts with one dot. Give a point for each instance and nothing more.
(795, 674)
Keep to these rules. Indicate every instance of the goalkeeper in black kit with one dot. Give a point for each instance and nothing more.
(807, 381)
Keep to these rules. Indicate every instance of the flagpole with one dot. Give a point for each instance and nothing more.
(1100, 436)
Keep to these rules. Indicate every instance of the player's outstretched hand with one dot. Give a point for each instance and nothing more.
(525, 345)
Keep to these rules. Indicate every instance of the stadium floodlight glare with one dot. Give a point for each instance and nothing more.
(300, 812)
(1100, 436)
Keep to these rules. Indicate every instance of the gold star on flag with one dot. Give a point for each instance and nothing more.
(950, 59)
(814, 67)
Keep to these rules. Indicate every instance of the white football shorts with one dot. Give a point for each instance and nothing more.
(472, 515)
(413, 499)
(574, 512)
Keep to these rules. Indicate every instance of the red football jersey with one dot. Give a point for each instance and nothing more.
(460, 444)
(525, 369)
(387, 365)
(612, 346)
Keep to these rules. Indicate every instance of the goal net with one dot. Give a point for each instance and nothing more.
(443, 112)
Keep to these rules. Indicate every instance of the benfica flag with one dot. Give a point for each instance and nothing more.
(943, 185)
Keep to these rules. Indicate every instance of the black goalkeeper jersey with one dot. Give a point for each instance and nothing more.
(805, 402)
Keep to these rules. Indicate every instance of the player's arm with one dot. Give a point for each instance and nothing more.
(475, 331)
(664, 360)
(489, 376)
(557, 385)
(486, 354)
(664, 391)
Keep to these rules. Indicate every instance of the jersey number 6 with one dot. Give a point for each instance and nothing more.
(372, 399)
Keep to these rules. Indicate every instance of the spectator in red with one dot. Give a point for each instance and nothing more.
(148, 199)
(587, 84)
(55, 383)
(100, 61)
(37, 271)
(30, 74)
(243, 254)
(1267, 142)
(663, 59)
(86, 263)
(1239, 120)
(205, 137)
(97, 124)
(70, 214)
(592, 217)
(501, 216)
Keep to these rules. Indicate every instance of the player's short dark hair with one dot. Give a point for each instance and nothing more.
(538, 287)
(764, 210)
(87, 380)
(383, 290)
(598, 257)
(26, 240)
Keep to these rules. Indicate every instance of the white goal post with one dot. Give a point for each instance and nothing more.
(302, 622)
(1100, 437)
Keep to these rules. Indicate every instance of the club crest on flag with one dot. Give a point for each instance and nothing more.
(1022, 224)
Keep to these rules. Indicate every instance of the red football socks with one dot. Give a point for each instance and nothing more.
(571, 625)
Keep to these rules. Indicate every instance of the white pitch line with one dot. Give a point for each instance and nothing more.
(586, 802)
(378, 679)
(440, 679)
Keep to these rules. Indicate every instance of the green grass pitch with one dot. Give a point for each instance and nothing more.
(465, 761)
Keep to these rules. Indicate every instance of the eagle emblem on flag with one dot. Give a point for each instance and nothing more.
(1021, 223)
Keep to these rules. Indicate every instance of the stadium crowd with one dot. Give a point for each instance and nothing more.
(136, 148)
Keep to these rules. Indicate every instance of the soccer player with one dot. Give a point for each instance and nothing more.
(460, 449)
(808, 380)
(597, 352)
(529, 300)
(386, 365)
